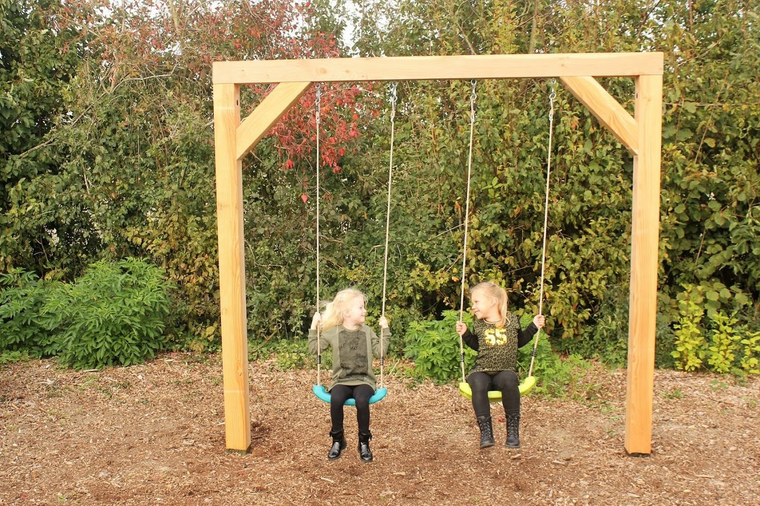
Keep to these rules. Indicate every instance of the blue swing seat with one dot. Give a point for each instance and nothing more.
(321, 392)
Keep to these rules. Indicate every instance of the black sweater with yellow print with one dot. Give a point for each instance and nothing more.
(497, 346)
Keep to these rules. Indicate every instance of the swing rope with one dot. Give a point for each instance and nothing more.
(317, 119)
(552, 97)
(318, 389)
(388, 221)
(529, 382)
(473, 98)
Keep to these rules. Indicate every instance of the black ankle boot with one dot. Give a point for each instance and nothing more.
(364, 452)
(513, 430)
(486, 431)
(338, 444)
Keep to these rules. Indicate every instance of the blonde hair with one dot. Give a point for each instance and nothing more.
(495, 291)
(333, 314)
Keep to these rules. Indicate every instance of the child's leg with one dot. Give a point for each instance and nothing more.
(362, 393)
(479, 383)
(507, 382)
(338, 395)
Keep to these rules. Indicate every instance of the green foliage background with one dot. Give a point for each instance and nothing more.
(106, 152)
(114, 314)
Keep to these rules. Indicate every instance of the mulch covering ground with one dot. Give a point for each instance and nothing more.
(154, 434)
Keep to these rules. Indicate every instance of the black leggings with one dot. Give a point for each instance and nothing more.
(361, 395)
(506, 381)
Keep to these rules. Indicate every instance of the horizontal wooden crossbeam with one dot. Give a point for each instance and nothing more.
(410, 68)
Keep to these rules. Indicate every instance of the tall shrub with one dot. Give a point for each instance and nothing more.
(113, 315)
(24, 326)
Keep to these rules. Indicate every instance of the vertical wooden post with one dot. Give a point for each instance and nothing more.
(644, 263)
(229, 211)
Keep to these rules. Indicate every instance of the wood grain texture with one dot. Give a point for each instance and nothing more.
(229, 212)
(644, 261)
(439, 67)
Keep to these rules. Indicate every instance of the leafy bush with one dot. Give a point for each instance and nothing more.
(606, 338)
(732, 347)
(665, 339)
(289, 354)
(24, 327)
(55, 221)
(433, 345)
(724, 343)
(554, 373)
(750, 360)
(113, 315)
(9, 357)
(691, 348)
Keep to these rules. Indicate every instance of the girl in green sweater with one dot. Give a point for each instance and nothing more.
(353, 346)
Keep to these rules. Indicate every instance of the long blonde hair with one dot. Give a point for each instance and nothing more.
(333, 314)
(495, 291)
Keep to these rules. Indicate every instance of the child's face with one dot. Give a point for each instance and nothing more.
(355, 312)
(483, 306)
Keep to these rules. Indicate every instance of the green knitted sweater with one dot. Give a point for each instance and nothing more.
(352, 352)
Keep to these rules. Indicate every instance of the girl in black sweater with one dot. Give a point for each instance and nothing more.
(496, 336)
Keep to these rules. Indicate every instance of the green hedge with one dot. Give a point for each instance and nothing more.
(114, 314)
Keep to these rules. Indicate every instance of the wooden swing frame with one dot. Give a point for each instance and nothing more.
(641, 134)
